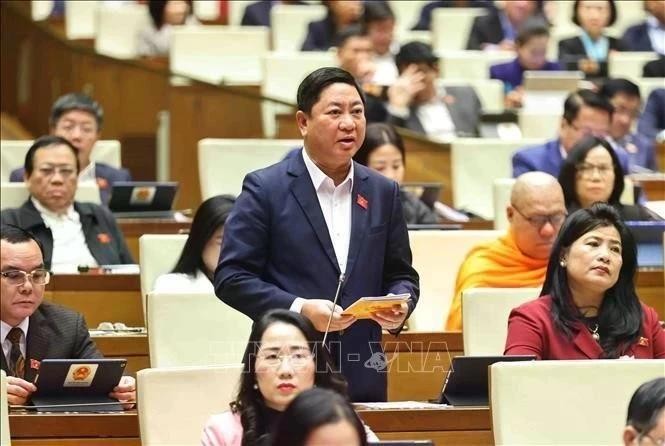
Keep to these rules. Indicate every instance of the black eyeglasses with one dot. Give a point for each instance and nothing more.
(539, 221)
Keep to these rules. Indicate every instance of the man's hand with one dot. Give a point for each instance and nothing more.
(125, 391)
(393, 318)
(406, 87)
(318, 311)
(514, 98)
(19, 391)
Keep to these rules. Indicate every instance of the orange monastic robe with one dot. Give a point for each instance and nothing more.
(497, 264)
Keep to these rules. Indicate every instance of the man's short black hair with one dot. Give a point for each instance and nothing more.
(76, 101)
(612, 87)
(376, 11)
(311, 87)
(47, 141)
(527, 33)
(14, 234)
(347, 33)
(610, 22)
(579, 98)
(415, 53)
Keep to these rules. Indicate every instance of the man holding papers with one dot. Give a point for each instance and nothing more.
(313, 220)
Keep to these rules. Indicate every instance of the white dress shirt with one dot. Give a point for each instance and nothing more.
(335, 202)
(69, 246)
(6, 343)
(87, 174)
(656, 32)
(436, 119)
(183, 283)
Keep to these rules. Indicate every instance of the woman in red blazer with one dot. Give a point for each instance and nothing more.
(588, 307)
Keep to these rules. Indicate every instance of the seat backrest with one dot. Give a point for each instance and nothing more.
(543, 125)
(451, 27)
(471, 64)
(217, 54)
(485, 314)
(437, 256)
(5, 439)
(217, 335)
(236, 10)
(80, 19)
(475, 164)
(13, 151)
(406, 13)
(501, 196)
(283, 71)
(288, 24)
(118, 28)
(223, 163)
(41, 9)
(628, 64)
(13, 195)
(207, 10)
(647, 85)
(158, 254)
(489, 91)
(174, 403)
(565, 402)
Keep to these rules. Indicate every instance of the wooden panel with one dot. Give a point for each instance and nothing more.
(134, 348)
(457, 438)
(72, 425)
(651, 290)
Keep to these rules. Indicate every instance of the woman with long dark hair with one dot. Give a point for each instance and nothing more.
(588, 308)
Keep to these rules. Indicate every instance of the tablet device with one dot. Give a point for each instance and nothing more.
(467, 382)
(80, 385)
(142, 197)
(649, 240)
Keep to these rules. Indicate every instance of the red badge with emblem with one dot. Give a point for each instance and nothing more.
(102, 183)
(104, 238)
(34, 364)
(644, 342)
(362, 201)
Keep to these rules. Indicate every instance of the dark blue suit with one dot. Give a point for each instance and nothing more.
(277, 247)
(547, 158)
(106, 175)
(636, 38)
(512, 73)
(652, 120)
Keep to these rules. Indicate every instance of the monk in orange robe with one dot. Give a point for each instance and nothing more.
(519, 258)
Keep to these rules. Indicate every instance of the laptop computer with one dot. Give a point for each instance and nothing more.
(81, 385)
(467, 382)
(649, 240)
(138, 199)
(427, 192)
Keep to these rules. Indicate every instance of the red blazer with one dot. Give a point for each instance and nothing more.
(531, 331)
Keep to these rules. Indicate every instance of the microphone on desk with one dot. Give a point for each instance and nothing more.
(339, 288)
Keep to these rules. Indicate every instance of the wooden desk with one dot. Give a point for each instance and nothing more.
(134, 228)
(651, 289)
(132, 347)
(99, 297)
(446, 426)
(653, 185)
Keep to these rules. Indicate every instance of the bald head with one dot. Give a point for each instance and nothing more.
(535, 213)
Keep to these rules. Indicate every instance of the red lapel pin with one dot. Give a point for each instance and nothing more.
(644, 342)
(104, 238)
(34, 364)
(102, 183)
(362, 201)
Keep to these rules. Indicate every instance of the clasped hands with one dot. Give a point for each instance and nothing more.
(318, 312)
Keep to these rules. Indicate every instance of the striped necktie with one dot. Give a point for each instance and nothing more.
(16, 359)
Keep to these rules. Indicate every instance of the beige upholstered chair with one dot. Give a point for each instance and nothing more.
(288, 24)
(13, 195)
(471, 64)
(215, 334)
(118, 28)
(174, 403)
(437, 255)
(628, 64)
(158, 254)
(485, 314)
(5, 439)
(451, 27)
(565, 402)
(489, 91)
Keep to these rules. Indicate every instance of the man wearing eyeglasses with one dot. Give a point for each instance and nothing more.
(584, 113)
(79, 119)
(519, 258)
(32, 330)
(73, 234)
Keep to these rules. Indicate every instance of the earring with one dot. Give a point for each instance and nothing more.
(256, 386)
(562, 262)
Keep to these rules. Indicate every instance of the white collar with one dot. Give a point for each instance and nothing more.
(88, 173)
(70, 213)
(317, 175)
(5, 327)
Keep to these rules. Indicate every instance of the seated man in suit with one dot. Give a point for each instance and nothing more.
(498, 29)
(519, 258)
(417, 103)
(650, 34)
(258, 13)
(584, 113)
(625, 98)
(79, 119)
(71, 233)
(32, 330)
(652, 121)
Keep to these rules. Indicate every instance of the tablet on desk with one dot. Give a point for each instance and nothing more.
(467, 381)
(649, 240)
(136, 199)
(80, 385)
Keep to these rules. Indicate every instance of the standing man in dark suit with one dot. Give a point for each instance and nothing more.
(584, 113)
(79, 119)
(416, 102)
(32, 330)
(72, 233)
(315, 220)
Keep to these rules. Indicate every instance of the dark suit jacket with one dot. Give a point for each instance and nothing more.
(106, 176)
(464, 110)
(531, 331)
(652, 120)
(258, 14)
(320, 35)
(425, 19)
(277, 247)
(547, 158)
(485, 29)
(655, 68)
(512, 73)
(636, 38)
(55, 332)
(572, 50)
(102, 235)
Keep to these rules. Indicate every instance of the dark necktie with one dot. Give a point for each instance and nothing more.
(16, 358)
